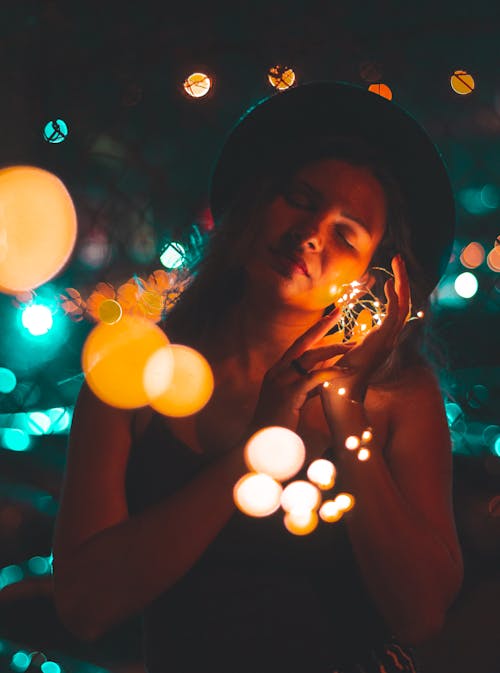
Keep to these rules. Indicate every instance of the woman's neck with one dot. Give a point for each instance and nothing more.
(256, 334)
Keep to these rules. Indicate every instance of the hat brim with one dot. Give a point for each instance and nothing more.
(321, 108)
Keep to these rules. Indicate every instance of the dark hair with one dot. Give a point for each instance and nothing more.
(218, 281)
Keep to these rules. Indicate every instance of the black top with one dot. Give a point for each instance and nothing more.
(259, 599)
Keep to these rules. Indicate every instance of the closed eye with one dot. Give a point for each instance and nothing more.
(341, 235)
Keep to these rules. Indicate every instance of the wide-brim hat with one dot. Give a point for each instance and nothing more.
(286, 121)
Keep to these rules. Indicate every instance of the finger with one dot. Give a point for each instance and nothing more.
(312, 357)
(310, 337)
(402, 287)
(319, 376)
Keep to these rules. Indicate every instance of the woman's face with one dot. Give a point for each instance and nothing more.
(318, 234)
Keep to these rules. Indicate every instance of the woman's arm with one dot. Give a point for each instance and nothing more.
(108, 566)
(402, 528)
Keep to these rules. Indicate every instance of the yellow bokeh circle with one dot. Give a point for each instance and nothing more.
(38, 227)
(190, 387)
(462, 83)
(381, 90)
(302, 523)
(276, 451)
(281, 77)
(110, 311)
(257, 494)
(114, 359)
(197, 84)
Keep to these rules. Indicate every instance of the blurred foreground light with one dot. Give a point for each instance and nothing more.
(472, 255)
(186, 386)
(281, 77)
(60, 419)
(344, 501)
(496, 446)
(197, 85)
(321, 472)
(11, 574)
(330, 511)
(490, 196)
(39, 565)
(276, 451)
(493, 259)
(114, 360)
(20, 661)
(462, 83)
(55, 131)
(301, 523)
(110, 311)
(466, 285)
(173, 256)
(8, 380)
(38, 423)
(37, 234)
(50, 667)
(14, 439)
(257, 494)
(300, 497)
(381, 89)
(37, 319)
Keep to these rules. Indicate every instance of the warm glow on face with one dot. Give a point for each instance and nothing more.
(37, 227)
(344, 501)
(322, 473)
(301, 524)
(462, 83)
(197, 84)
(330, 511)
(114, 359)
(276, 451)
(190, 387)
(257, 494)
(300, 497)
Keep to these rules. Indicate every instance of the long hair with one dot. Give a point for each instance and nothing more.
(218, 280)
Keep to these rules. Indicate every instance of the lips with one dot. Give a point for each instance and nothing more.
(291, 261)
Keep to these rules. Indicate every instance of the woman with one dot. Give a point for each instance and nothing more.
(313, 188)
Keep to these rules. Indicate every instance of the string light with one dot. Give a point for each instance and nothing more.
(197, 84)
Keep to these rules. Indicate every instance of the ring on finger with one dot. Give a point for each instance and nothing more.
(299, 368)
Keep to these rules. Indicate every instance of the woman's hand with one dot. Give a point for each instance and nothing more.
(362, 360)
(284, 389)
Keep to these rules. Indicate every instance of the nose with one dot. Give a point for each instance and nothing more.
(308, 236)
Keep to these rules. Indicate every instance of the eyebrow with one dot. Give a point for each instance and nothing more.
(347, 216)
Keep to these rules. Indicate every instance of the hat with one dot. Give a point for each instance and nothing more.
(285, 122)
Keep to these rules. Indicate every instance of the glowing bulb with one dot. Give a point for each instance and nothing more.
(189, 387)
(300, 497)
(345, 501)
(363, 454)
(330, 511)
(257, 494)
(322, 473)
(277, 451)
(466, 285)
(367, 435)
(420, 314)
(300, 523)
(326, 384)
(37, 319)
(197, 84)
(341, 391)
(37, 234)
(173, 256)
(352, 442)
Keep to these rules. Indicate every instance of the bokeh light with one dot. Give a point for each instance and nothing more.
(20, 661)
(330, 511)
(38, 423)
(189, 386)
(466, 285)
(8, 380)
(345, 501)
(37, 319)
(277, 451)
(496, 446)
(39, 565)
(197, 84)
(493, 259)
(14, 439)
(173, 256)
(322, 473)
(472, 255)
(352, 442)
(257, 494)
(110, 311)
(114, 360)
(37, 234)
(301, 523)
(364, 454)
(462, 83)
(55, 131)
(300, 497)
(490, 196)
(281, 77)
(50, 667)
(381, 89)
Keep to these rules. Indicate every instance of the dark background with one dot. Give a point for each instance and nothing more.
(137, 161)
